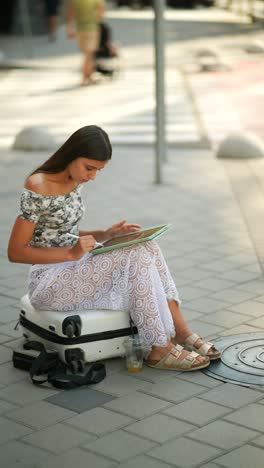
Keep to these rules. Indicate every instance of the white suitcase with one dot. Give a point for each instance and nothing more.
(78, 337)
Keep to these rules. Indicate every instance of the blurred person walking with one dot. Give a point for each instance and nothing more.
(51, 10)
(83, 17)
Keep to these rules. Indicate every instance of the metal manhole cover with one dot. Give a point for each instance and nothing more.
(242, 360)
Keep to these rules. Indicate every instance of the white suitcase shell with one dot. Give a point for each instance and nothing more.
(94, 334)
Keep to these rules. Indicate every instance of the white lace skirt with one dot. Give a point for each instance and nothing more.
(134, 278)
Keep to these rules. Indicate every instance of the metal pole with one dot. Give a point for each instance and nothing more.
(26, 26)
(160, 144)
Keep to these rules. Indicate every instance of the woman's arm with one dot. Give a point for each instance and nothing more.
(115, 230)
(19, 250)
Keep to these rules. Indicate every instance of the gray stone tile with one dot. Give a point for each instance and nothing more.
(259, 322)
(219, 265)
(9, 374)
(243, 258)
(190, 314)
(14, 343)
(76, 457)
(48, 439)
(225, 318)
(143, 461)
(19, 455)
(259, 441)
(114, 365)
(5, 354)
(40, 414)
(9, 329)
(119, 446)
(207, 305)
(205, 329)
(223, 435)
(251, 416)
(175, 390)
(99, 421)
(210, 465)
(255, 286)
(9, 314)
(260, 298)
(121, 384)
(80, 399)
(16, 293)
(4, 338)
(203, 256)
(189, 293)
(233, 295)
(240, 276)
(244, 457)
(184, 453)
(184, 263)
(213, 284)
(195, 273)
(231, 396)
(11, 430)
(249, 308)
(151, 375)
(7, 301)
(159, 428)
(197, 411)
(254, 268)
(200, 378)
(5, 407)
(28, 393)
(240, 329)
(137, 405)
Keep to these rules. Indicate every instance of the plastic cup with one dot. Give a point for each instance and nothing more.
(134, 353)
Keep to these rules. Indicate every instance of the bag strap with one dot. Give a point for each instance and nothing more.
(49, 364)
(95, 374)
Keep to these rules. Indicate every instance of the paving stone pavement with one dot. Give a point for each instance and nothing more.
(155, 419)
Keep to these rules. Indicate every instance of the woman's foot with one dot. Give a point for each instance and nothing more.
(193, 342)
(160, 357)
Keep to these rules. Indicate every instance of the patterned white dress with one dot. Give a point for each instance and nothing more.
(134, 278)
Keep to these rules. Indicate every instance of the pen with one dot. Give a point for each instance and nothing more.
(97, 244)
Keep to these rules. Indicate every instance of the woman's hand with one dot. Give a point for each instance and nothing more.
(121, 228)
(85, 244)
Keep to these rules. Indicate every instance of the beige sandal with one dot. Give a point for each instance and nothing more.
(189, 344)
(171, 361)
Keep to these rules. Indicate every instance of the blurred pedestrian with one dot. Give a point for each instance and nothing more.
(51, 10)
(83, 17)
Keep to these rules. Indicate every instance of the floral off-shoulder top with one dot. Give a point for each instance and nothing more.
(54, 215)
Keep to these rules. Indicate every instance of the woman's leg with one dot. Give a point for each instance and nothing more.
(181, 327)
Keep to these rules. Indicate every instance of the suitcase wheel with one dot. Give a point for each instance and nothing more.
(72, 326)
(69, 329)
(78, 329)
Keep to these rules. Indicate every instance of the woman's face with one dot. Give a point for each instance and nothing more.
(82, 170)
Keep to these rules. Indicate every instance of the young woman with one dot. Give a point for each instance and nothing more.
(65, 276)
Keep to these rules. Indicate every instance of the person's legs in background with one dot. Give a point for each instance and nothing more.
(88, 43)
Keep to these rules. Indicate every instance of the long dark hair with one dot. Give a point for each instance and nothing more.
(89, 142)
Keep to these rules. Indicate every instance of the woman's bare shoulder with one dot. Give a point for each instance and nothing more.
(37, 183)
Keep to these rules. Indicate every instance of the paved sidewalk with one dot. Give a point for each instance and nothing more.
(156, 419)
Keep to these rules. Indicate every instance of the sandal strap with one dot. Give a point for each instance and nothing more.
(176, 353)
(205, 346)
